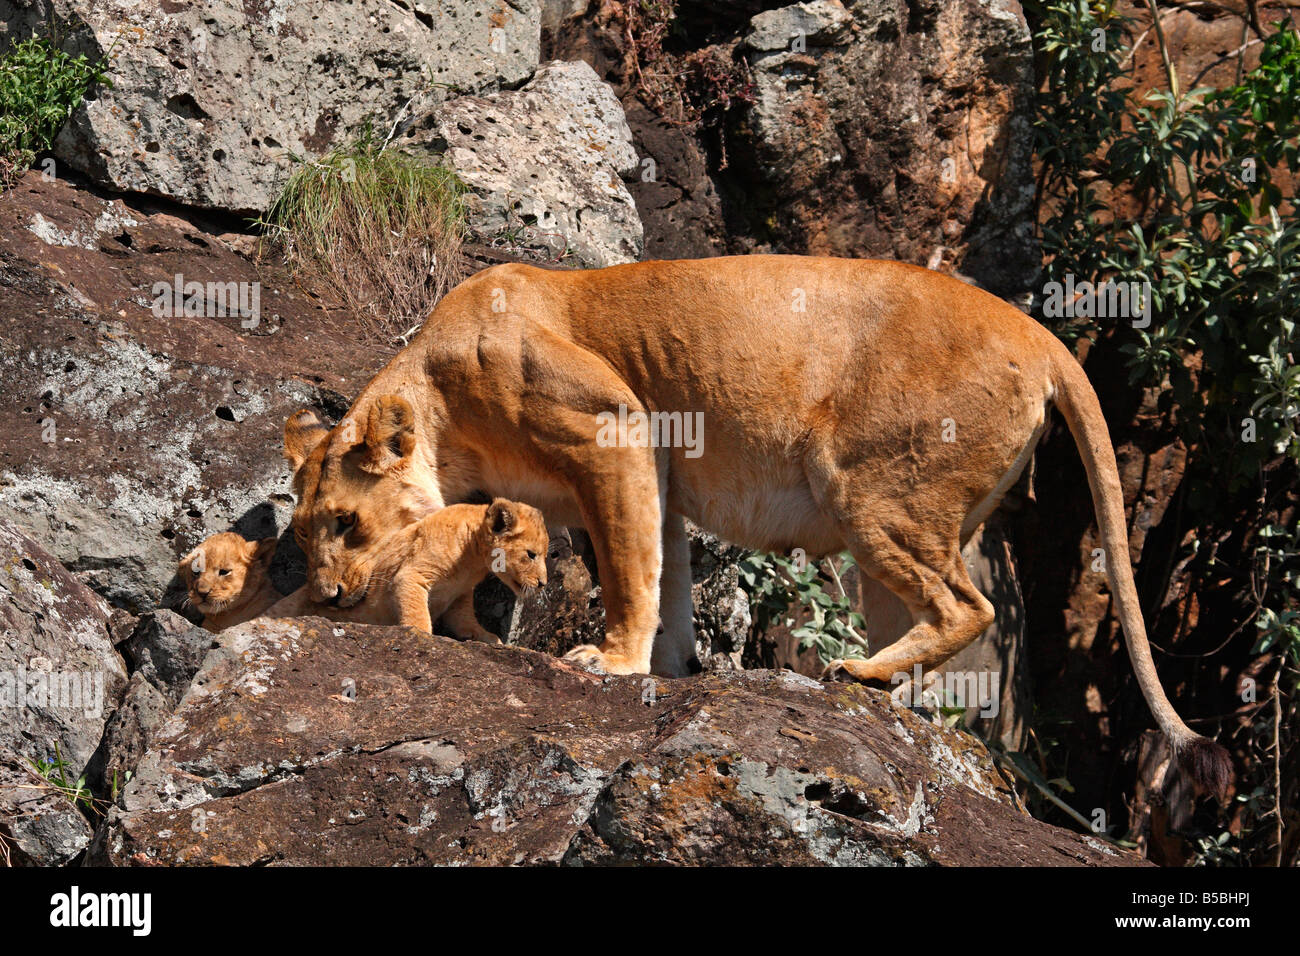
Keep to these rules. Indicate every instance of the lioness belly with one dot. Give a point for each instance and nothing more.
(764, 508)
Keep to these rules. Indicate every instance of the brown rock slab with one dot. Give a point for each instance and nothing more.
(309, 742)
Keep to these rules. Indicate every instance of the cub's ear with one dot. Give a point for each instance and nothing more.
(185, 567)
(302, 433)
(261, 552)
(390, 431)
(501, 516)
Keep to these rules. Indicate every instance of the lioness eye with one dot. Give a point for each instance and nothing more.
(347, 520)
(532, 555)
(223, 572)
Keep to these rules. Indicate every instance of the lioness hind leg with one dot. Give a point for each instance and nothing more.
(948, 611)
(673, 653)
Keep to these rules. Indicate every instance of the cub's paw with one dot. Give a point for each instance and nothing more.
(484, 636)
(592, 658)
(853, 669)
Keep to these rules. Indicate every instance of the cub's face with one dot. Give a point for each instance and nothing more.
(356, 485)
(518, 539)
(224, 569)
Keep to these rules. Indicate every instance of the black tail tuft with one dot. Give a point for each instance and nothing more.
(1209, 765)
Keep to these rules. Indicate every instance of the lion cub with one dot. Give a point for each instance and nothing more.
(428, 570)
(228, 579)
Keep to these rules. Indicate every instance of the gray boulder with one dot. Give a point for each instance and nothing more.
(545, 165)
(60, 677)
(39, 826)
(210, 100)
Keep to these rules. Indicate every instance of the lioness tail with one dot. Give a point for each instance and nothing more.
(1208, 763)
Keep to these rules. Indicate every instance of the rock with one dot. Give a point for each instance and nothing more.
(181, 415)
(544, 163)
(39, 826)
(127, 736)
(819, 23)
(556, 12)
(167, 650)
(678, 202)
(307, 742)
(722, 618)
(60, 677)
(209, 102)
(903, 135)
(568, 611)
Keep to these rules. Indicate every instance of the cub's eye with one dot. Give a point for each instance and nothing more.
(532, 555)
(346, 520)
(223, 572)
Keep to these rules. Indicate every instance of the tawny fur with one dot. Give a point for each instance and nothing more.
(428, 569)
(227, 579)
(848, 404)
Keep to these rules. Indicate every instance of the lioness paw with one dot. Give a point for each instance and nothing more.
(855, 669)
(592, 658)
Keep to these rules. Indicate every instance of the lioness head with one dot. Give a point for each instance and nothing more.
(224, 570)
(356, 484)
(517, 542)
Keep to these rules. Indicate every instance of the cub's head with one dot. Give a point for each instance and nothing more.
(224, 570)
(355, 484)
(517, 543)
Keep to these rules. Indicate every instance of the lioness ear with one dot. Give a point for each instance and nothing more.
(501, 516)
(302, 433)
(390, 431)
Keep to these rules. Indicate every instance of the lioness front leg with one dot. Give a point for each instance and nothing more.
(616, 486)
(461, 620)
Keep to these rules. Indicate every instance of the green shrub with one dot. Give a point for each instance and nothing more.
(1218, 239)
(779, 588)
(40, 86)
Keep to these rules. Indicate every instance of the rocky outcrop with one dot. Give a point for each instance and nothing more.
(60, 676)
(133, 429)
(210, 102)
(39, 826)
(60, 680)
(544, 164)
(866, 128)
(899, 130)
(307, 742)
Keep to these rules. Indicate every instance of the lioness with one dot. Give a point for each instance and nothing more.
(847, 404)
(227, 579)
(428, 569)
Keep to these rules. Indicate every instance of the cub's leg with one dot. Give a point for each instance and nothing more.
(615, 484)
(460, 619)
(673, 654)
(411, 597)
